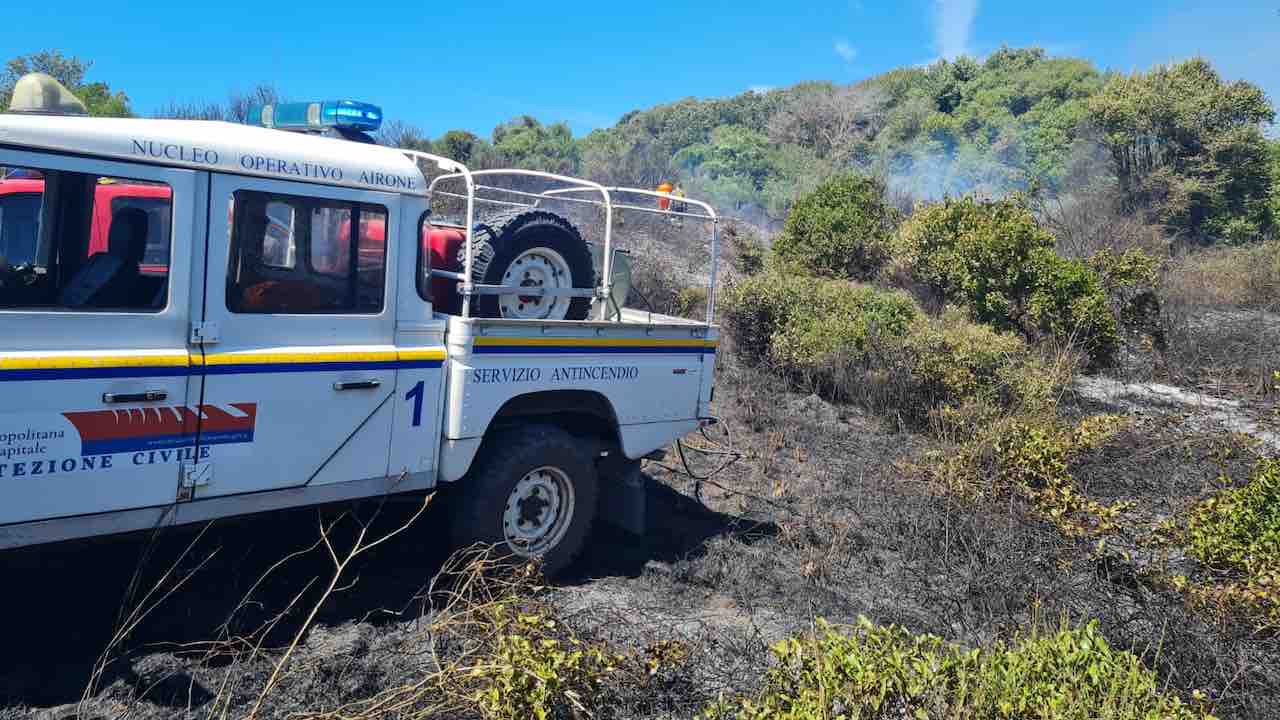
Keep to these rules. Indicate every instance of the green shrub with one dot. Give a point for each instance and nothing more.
(851, 341)
(841, 229)
(838, 317)
(799, 321)
(757, 307)
(993, 257)
(1067, 302)
(880, 672)
(976, 252)
(1236, 533)
(949, 361)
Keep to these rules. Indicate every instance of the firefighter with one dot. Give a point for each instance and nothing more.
(664, 203)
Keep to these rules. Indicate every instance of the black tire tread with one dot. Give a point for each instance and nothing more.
(482, 494)
(500, 231)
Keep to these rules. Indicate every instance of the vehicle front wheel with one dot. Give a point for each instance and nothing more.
(532, 493)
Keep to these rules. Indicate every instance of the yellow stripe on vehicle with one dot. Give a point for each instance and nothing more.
(69, 361)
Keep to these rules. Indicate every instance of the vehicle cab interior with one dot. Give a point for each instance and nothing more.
(77, 241)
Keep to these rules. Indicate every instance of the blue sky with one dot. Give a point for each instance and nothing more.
(441, 65)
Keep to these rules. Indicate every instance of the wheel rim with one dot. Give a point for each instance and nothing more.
(538, 511)
(541, 268)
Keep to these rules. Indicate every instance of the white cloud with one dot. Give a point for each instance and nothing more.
(953, 27)
(760, 89)
(846, 51)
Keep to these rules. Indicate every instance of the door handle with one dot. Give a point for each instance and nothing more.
(148, 396)
(357, 385)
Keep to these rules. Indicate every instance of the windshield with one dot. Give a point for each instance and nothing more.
(19, 227)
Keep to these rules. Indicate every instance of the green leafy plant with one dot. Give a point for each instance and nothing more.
(798, 321)
(841, 229)
(1029, 456)
(1239, 529)
(992, 257)
(535, 672)
(873, 671)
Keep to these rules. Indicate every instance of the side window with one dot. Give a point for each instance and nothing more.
(81, 241)
(293, 255)
(371, 251)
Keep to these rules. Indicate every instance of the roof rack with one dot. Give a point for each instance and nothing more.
(606, 199)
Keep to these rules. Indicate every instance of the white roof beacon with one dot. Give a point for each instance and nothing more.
(40, 94)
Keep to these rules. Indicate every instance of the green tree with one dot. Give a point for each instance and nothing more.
(731, 151)
(526, 143)
(1187, 148)
(460, 145)
(71, 72)
(1273, 150)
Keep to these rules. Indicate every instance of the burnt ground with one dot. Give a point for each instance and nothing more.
(821, 517)
(65, 603)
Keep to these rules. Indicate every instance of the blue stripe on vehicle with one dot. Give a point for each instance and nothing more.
(92, 373)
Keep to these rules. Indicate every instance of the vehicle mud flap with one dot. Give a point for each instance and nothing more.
(623, 494)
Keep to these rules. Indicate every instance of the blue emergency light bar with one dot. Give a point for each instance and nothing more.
(316, 116)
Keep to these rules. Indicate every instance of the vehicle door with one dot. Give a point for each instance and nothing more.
(97, 411)
(297, 386)
(420, 342)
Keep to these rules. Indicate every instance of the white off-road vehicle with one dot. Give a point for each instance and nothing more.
(206, 319)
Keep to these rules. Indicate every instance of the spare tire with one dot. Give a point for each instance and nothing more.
(530, 248)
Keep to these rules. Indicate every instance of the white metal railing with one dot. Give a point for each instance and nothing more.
(675, 199)
(455, 171)
(458, 170)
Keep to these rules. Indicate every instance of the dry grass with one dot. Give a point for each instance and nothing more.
(1227, 278)
(1219, 310)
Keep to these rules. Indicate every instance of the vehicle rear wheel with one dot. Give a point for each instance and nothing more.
(535, 249)
(532, 493)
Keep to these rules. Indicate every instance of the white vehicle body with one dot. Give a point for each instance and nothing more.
(118, 420)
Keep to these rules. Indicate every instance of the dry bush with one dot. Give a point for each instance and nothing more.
(1092, 219)
(1227, 277)
(743, 247)
(1219, 309)
(660, 286)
